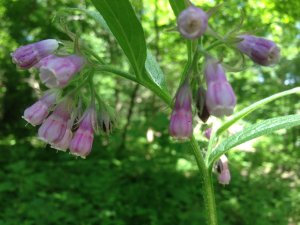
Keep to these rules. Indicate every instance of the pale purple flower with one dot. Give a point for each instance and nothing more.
(181, 118)
(54, 127)
(181, 126)
(220, 97)
(27, 56)
(58, 71)
(82, 141)
(36, 113)
(223, 170)
(64, 143)
(192, 22)
(262, 51)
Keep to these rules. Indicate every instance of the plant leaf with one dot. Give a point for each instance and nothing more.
(125, 26)
(155, 72)
(177, 6)
(246, 111)
(253, 131)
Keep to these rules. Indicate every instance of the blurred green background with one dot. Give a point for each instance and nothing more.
(137, 175)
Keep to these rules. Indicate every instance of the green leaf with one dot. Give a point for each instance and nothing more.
(246, 111)
(253, 131)
(125, 26)
(155, 72)
(177, 6)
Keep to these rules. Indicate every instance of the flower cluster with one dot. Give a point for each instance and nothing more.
(217, 98)
(65, 128)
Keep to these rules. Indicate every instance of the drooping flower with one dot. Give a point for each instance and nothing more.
(192, 22)
(82, 141)
(58, 71)
(36, 113)
(262, 51)
(27, 56)
(53, 129)
(181, 118)
(220, 98)
(106, 122)
(223, 170)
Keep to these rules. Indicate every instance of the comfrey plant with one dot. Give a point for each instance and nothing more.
(69, 120)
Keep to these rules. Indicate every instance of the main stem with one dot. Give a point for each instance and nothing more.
(208, 189)
(205, 172)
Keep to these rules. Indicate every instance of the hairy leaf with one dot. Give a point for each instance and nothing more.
(252, 132)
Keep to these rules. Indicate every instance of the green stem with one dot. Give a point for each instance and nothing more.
(205, 172)
(208, 190)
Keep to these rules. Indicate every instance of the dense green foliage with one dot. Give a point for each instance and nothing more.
(129, 178)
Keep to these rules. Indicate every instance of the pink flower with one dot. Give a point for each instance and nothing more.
(81, 144)
(192, 22)
(262, 51)
(223, 170)
(64, 143)
(58, 71)
(181, 126)
(27, 56)
(36, 113)
(220, 97)
(54, 127)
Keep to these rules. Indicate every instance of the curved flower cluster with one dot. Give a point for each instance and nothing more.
(217, 98)
(64, 128)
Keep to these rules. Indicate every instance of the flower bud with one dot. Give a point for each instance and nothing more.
(223, 170)
(220, 98)
(207, 133)
(36, 113)
(181, 118)
(54, 127)
(58, 71)
(192, 22)
(82, 141)
(262, 51)
(203, 113)
(27, 56)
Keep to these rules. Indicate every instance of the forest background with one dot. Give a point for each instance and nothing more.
(138, 175)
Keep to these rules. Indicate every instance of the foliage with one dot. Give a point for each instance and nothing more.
(133, 180)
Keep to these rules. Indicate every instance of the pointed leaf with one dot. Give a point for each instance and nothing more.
(246, 111)
(253, 131)
(125, 26)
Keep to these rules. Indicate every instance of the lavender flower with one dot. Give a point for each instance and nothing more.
(223, 170)
(54, 127)
(181, 118)
(220, 98)
(27, 56)
(58, 71)
(262, 51)
(82, 141)
(192, 22)
(36, 113)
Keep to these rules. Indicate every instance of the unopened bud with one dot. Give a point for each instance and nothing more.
(262, 51)
(203, 113)
(223, 170)
(192, 22)
(181, 118)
